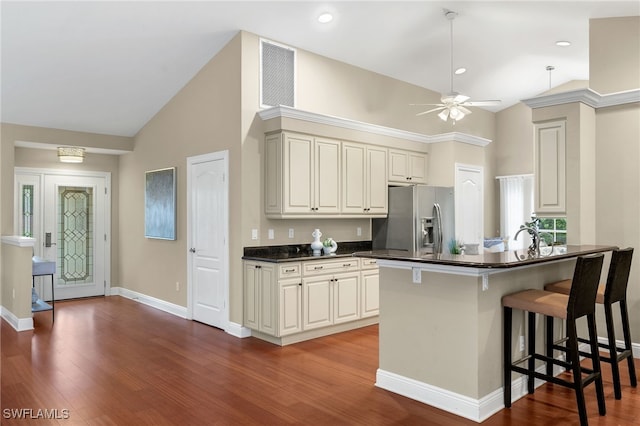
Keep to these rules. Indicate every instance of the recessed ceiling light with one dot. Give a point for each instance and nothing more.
(325, 18)
(460, 70)
(563, 43)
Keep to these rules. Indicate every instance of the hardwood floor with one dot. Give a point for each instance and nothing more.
(113, 361)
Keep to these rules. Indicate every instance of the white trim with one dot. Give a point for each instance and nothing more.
(18, 241)
(515, 176)
(171, 308)
(345, 123)
(635, 347)
(18, 324)
(53, 147)
(191, 161)
(586, 96)
(238, 330)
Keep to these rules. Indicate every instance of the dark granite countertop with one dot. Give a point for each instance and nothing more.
(299, 252)
(508, 259)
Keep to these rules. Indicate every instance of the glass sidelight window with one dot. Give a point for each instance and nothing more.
(27, 199)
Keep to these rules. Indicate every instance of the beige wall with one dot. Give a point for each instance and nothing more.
(16, 265)
(614, 58)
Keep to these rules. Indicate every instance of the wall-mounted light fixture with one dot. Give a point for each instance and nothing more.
(70, 154)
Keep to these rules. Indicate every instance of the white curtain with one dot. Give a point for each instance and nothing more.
(516, 208)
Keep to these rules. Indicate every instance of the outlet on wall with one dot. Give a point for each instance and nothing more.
(271, 234)
(291, 232)
(359, 231)
(177, 285)
(254, 234)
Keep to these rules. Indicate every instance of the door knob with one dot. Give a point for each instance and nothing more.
(192, 250)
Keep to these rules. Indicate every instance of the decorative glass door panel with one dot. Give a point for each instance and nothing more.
(74, 234)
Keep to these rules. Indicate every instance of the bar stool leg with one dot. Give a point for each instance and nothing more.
(627, 341)
(574, 359)
(595, 359)
(531, 332)
(549, 344)
(506, 319)
(613, 351)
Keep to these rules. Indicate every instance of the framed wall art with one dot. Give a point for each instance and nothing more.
(160, 204)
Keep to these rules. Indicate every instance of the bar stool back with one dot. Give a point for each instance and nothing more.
(579, 303)
(615, 290)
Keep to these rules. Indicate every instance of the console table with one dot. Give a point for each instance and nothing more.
(43, 267)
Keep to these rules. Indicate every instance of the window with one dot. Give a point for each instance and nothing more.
(27, 211)
(553, 230)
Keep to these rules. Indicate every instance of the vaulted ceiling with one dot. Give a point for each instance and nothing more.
(108, 67)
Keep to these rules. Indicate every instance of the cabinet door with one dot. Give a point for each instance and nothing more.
(268, 300)
(251, 295)
(550, 168)
(376, 179)
(417, 167)
(327, 176)
(298, 170)
(316, 302)
(353, 178)
(290, 306)
(398, 166)
(273, 174)
(370, 293)
(346, 300)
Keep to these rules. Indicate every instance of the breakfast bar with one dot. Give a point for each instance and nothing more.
(441, 322)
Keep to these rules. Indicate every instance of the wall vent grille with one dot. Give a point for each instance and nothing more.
(278, 65)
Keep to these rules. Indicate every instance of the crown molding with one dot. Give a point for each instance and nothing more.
(345, 123)
(586, 96)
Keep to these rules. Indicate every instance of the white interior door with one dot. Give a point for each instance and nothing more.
(469, 197)
(208, 238)
(75, 235)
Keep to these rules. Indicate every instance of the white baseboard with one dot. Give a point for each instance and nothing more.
(171, 308)
(635, 347)
(234, 329)
(477, 410)
(19, 324)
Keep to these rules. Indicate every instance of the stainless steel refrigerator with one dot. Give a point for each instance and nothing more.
(421, 219)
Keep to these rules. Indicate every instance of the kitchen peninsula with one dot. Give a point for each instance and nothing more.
(441, 322)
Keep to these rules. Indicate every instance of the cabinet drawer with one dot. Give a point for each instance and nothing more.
(369, 263)
(330, 267)
(289, 270)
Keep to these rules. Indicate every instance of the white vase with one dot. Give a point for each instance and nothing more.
(316, 245)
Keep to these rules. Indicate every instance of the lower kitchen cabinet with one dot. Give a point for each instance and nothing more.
(294, 298)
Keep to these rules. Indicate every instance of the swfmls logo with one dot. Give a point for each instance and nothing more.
(40, 413)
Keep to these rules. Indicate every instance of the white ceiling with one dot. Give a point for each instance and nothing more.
(108, 67)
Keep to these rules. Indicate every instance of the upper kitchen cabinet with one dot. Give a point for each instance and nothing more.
(302, 176)
(364, 180)
(408, 167)
(550, 168)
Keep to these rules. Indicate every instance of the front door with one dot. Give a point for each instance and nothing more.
(208, 238)
(75, 235)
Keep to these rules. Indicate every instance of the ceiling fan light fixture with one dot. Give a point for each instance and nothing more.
(444, 114)
(456, 114)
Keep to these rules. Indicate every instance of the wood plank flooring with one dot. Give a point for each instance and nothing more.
(113, 361)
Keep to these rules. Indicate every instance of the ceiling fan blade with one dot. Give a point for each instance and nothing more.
(463, 109)
(460, 99)
(426, 104)
(482, 103)
(431, 110)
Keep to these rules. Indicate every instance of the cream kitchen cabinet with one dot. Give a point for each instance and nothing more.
(302, 175)
(330, 292)
(407, 166)
(369, 288)
(293, 301)
(550, 168)
(260, 292)
(364, 180)
(272, 297)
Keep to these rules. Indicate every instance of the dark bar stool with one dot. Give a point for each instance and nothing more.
(615, 290)
(579, 303)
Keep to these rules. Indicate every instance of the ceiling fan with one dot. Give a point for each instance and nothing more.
(453, 104)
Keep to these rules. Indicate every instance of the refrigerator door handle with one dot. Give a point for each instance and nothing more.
(440, 237)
